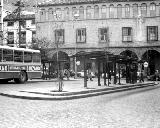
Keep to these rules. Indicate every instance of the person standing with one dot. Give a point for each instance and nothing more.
(67, 74)
(156, 75)
(141, 78)
(90, 75)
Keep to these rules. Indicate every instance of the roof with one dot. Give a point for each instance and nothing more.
(74, 2)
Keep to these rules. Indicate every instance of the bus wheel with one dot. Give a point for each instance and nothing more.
(22, 78)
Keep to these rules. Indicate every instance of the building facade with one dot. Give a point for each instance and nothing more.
(11, 29)
(129, 27)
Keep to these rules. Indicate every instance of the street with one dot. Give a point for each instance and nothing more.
(138, 108)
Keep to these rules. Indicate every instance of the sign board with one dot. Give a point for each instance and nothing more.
(145, 64)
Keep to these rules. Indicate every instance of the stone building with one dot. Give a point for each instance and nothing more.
(11, 29)
(129, 27)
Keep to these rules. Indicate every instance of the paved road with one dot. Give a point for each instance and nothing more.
(130, 109)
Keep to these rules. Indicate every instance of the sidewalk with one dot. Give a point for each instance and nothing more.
(38, 89)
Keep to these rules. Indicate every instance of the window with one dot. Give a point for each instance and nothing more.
(152, 33)
(135, 10)
(127, 10)
(127, 34)
(10, 23)
(103, 35)
(81, 35)
(10, 38)
(50, 14)
(81, 12)
(104, 11)
(96, 11)
(23, 38)
(27, 57)
(143, 9)
(58, 15)
(74, 11)
(152, 9)
(159, 9)
(119, 11)
(18, 56)
(66, 13)
(88, 12)
(42, 15)
(36, 57)
(59, 36)
(33, 36)
(7, 55)
(111, 11)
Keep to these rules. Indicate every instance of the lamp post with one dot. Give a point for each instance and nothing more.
(57, 54)
(76, 16)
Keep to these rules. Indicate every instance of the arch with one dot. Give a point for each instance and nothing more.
(119, 11)
(111, 11)
(127, 10)
(152, 9)
(96, 11)
(153, 59)
(50, 14)
(58, 15)
(144, 9)
(66, 13)
(88, 12)
(81, 12)
(74, 11)
(135, 10)
(129, 53)
(62, 57)
(159, 9)
(42, 15)
(103, 11)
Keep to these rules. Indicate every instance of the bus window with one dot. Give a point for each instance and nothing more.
(27, 57)
(7, 55)
(18, 56)
(0, 55)
(36, 57)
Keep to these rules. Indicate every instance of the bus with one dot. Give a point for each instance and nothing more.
(19, 64)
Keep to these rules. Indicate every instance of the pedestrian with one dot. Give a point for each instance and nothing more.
(109, 77)
(67, 74)
(90, 75)
(141, 78)
(156, 75)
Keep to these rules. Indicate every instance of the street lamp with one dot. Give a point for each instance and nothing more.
(76, 16)
(57, 50)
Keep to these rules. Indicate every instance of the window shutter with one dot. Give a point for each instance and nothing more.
(156, 33)
(63, 35)
(107, 35)
(76, 35)
(85, 34)
(147, 33)
(99, 34)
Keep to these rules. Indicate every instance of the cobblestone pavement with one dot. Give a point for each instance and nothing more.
(138, 108)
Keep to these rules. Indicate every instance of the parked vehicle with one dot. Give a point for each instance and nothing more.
(81, 74)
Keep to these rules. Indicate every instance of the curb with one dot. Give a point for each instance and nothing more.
(83, 94)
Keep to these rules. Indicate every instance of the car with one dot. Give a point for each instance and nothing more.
(81, 74)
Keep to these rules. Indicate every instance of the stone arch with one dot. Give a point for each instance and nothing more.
(153, 59)
(129, 53)
(63, 59)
